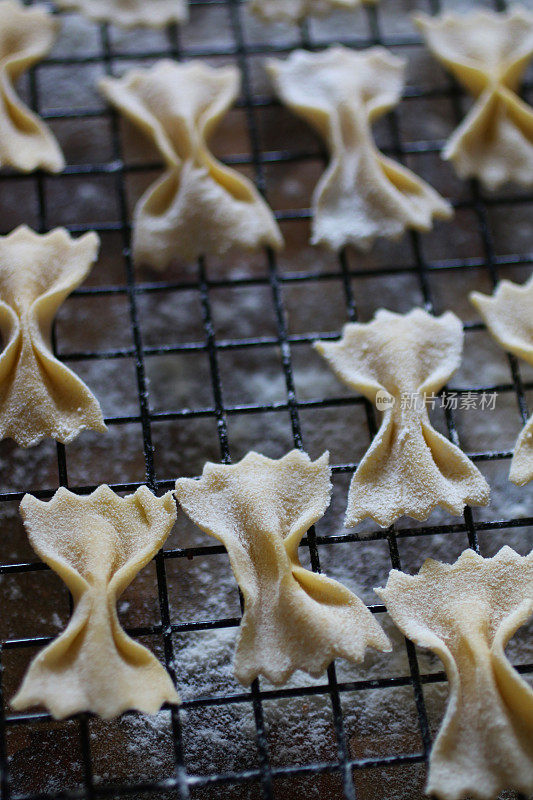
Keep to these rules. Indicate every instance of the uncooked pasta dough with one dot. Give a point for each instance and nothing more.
(466, 613)
(293, 618)
(508, 315)
(488, 53)
(131, 13)
(97, 544)
(363, 194)
(198, 207)
(399, 362)
(293, 10)
(26, 36)
(40, 396)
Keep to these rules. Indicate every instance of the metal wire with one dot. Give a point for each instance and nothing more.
(343, 765)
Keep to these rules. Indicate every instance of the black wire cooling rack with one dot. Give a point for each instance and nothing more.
(344, 766)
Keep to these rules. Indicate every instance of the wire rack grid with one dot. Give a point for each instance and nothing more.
(182, 783)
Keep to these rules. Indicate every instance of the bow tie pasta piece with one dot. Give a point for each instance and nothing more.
(508, 315)
(131, 13)
(395, 361)
(488, 53)
(198, 207)
(294, 10)
(362, 195)
(97, 544)
(293, 618)
(26, 36)
(40, 396)
(466, 613)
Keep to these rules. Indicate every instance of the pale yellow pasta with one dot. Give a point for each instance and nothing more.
(293, 618)
(131, 13)
(488, 53)
(198, 207)
(508, 315)
(26, 36)
(466, 613)
(40, 396)
(363, 194)
(97, 544)
(398, 361)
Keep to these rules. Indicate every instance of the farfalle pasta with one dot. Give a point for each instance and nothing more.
(198, 207)
(488, 53)
(397, 361)
(131, 13)
(97, 544)
(363, 194)
(466, 613)
(26, 36)
(40, 396)
(508, 315)
(294, 10)
(293, 618)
